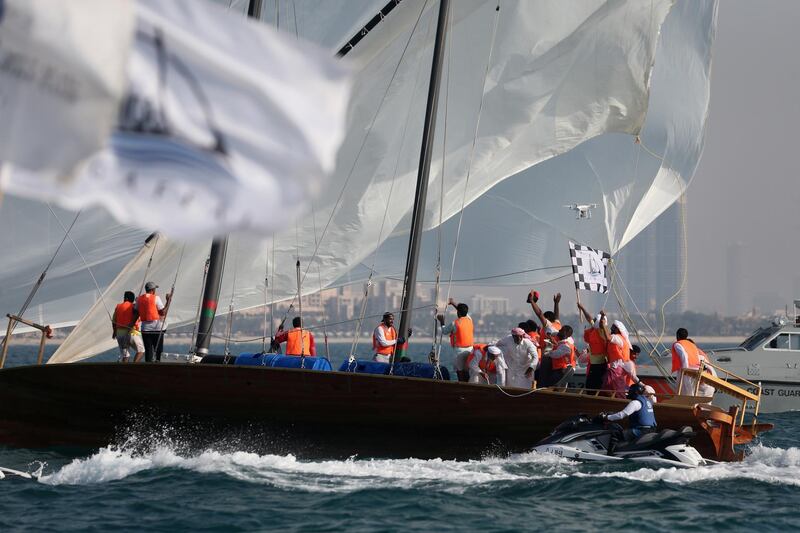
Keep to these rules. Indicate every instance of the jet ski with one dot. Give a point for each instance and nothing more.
(9, 473)
(588, 439)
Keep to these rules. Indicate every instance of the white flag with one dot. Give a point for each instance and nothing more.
(62, 78)
(228, 125)
(589, 267)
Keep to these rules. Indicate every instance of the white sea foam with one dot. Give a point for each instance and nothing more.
(286, 471)
(769, 465)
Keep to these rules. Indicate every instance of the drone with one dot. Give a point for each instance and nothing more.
(582, 210)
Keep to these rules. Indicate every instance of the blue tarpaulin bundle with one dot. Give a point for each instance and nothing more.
(283, 361)
(412, 370)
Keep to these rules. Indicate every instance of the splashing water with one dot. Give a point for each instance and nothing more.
(287, 472)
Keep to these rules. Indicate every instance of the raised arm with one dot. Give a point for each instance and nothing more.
(604, 326)
(556, 301)
(536, 310)
(585, 313)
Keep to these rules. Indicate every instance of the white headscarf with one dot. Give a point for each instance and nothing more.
(597, 321)
(622, 330)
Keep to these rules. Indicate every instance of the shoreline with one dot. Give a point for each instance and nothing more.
(710, 339)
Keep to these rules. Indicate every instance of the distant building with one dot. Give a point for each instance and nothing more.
(488, 305)
(652, 265)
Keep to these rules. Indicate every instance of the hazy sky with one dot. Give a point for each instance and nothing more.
(747, 186)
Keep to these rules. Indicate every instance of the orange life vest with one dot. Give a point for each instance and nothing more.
(462, 336)
(123, 316)
(619, 353)
(562, 362)
(692, 355)
(389, 334)
(597, 344)
(484, 364)
(298, 342)
(146, 305)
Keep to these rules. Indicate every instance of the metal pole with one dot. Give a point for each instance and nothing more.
(210, 295)
(422, 176)
(219, 248)
(254, 9)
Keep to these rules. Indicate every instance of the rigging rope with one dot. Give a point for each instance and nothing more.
(229, 321)
(161, 333)
(364, 141)
(83, 259)
(39, 281)
(472, 150)
(368, 283)
(267, 305)
(319, 278)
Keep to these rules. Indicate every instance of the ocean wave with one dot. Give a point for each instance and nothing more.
(762, 463)
(287, 472)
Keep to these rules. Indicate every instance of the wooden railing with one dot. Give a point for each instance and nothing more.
(47, 333)
(701, 376)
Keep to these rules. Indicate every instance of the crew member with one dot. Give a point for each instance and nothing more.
(152, 311)
(594, 336)
(486, 365)
(298, 341)
(521, 357)
(685, 355)
(461, 338)
(639, 411)
(548, 334)
(125, 326)
(562, 356)
(385, 340)
(618, 351)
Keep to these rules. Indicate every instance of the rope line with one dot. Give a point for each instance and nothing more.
(83, 259)
(364, 141)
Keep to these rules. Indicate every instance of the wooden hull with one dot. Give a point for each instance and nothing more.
(305, 412)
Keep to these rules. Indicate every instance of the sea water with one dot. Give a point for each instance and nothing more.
(168, 487)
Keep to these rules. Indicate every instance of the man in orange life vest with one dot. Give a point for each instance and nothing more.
(594, 336)
(126, 328)
(151, 311)
(385, 340)
(461, 337)
(298, 341)
(548, 335)
(685, 355)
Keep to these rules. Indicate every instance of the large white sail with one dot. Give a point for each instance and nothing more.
(557, 77)
(517, 232)
(227, 125)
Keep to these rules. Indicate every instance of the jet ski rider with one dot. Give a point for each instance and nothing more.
(639, 411)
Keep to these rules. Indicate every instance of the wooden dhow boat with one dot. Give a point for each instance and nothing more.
(324, 412)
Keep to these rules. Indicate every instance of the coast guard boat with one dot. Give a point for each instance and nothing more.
(770, 356)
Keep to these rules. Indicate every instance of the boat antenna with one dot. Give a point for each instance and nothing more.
(423, 174)
(216, 260)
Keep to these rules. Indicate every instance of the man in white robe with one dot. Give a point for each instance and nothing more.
(521, 357)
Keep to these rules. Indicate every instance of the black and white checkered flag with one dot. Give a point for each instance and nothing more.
(589, 267)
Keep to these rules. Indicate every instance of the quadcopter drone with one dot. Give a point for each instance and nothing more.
(582, 210)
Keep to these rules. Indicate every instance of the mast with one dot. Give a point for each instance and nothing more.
(216, 261)
(423, 174)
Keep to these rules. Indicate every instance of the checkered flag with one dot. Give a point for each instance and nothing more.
(589, 267)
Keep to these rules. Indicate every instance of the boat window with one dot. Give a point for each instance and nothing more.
(756, 339)
(784, 341)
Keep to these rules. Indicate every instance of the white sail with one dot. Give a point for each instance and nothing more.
(558, 76)
(517, 233)
(227, 126)
(62, 78)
